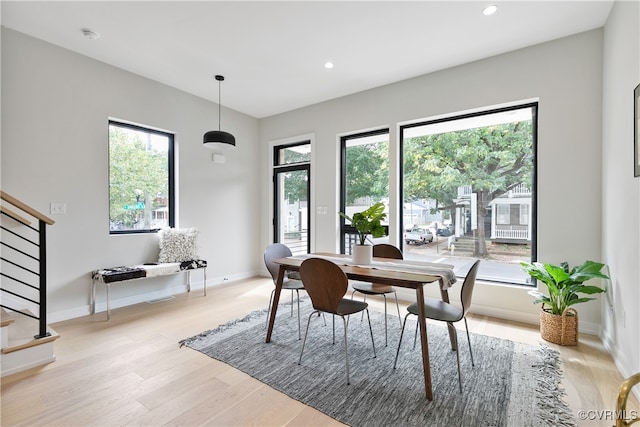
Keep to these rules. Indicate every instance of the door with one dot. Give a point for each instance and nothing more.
(291, 180)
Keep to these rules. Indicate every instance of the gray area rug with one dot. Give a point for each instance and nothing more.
(512, 384)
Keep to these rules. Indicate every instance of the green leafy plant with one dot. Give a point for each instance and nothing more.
(368, 222)
(563, 284)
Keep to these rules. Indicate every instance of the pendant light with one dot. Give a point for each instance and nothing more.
(219, 139)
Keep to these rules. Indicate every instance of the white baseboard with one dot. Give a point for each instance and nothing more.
(27, 358)
(101, 305)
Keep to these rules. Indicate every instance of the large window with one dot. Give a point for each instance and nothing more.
(141, 179)
(365, 179)
(471, 181)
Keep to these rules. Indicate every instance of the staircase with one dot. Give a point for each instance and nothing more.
(27, 340)
(20, 349)
(465, 244)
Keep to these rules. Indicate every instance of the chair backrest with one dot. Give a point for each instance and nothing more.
(273, 252)
(385, 250)
(325, 283)
(467, 287)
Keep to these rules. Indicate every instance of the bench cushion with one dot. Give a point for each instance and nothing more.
(119, 274)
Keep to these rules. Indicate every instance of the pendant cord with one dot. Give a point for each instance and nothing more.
(219, 126)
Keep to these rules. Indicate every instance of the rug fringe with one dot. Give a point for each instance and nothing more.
(553, 409)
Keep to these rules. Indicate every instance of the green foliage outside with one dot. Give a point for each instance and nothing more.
(138, 173)
(492, 160)
(367, 172)
(295, 184)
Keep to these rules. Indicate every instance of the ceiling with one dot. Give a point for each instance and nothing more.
(272, 54)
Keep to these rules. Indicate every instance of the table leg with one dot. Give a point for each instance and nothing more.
(452, 333)
(275, 302)
(423, 341)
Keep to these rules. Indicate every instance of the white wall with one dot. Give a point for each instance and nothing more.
(55, 107)
(621, 191)
(565, 75)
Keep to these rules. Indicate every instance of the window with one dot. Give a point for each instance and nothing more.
(292, 184)
(524, 214)
(503, 214)
(141, 179)
(470, 180)
(365, 179)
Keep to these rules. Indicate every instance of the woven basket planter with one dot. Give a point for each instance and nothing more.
(559, 329)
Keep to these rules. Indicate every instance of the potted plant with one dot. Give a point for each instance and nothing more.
(558, 321)
(367, 222)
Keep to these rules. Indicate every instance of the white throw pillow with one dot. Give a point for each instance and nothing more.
(178, 245)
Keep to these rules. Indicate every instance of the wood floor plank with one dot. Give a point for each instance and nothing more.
(131, 370)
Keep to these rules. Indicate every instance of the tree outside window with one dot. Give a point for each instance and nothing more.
(140, 179)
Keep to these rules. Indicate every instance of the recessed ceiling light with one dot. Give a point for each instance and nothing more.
(90, 34)
(490, 10)
(328, 64)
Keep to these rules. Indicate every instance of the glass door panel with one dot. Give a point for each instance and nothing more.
(292, 208)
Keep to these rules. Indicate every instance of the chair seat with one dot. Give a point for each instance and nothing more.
(349, 306)
(438, 310)
(372, 288)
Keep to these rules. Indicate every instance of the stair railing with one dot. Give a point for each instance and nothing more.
(25, 278)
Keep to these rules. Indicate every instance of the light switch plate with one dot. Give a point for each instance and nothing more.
(57, 208)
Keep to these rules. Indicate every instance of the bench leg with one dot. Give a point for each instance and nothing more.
(204, 272)
(188, 280)
(93, 296)
(108, 301)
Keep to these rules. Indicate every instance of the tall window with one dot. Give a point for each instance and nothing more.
(141, 179)
(471, 181)
(291, 180)
(365, 179)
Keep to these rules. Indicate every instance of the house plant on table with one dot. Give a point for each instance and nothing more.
(559, 322)
(367, 222)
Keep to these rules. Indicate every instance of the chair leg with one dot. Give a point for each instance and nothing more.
(266, 323)
(298, 295)
(373, 344)
(468, 340)
(400, 340)
(398, 308)
(415, 337)
(457, 358)
(305, 336)
(362, 314)
(385, 319)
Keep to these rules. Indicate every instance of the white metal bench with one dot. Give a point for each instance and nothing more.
(127, 273)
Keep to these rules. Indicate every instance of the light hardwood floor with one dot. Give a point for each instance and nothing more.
(130, 371)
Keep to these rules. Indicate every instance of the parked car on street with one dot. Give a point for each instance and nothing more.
(444, 231)
(418, 236)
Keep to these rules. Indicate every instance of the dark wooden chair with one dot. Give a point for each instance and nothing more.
(273, 252)
(327, 285)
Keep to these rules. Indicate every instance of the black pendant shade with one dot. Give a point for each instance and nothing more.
(219, 139)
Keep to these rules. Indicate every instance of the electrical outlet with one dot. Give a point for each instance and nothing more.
(57, 208)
